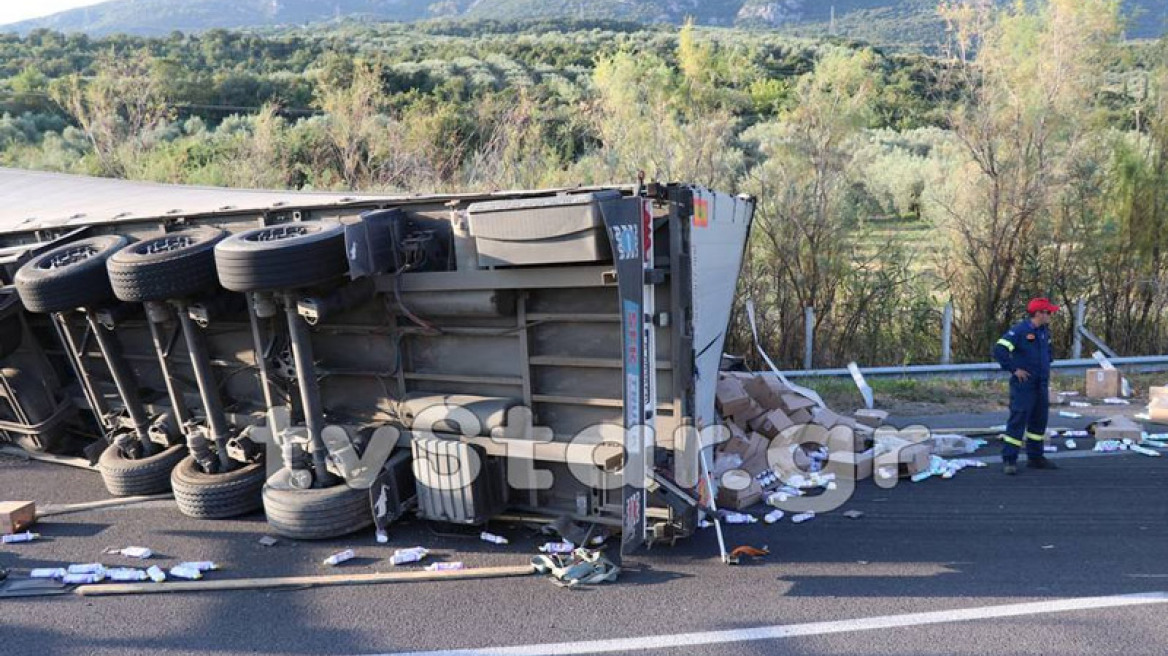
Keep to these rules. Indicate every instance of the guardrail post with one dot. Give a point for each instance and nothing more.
(947, 334)
(1077, 335)
(808, 336)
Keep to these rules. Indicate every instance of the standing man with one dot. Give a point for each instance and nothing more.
(1025, 352)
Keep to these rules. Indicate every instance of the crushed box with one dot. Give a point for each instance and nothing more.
(871, 418)
(768, 391)
(731, 396)
(771, 423)
(793, 402)
(738, 491)
(856, 466)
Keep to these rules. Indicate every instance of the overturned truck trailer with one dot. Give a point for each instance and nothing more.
(339, 360)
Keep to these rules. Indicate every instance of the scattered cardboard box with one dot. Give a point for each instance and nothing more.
(854, 466)
(1118, 428)
(795, 402)
(871, 418)
(753, 411)
(800, 417)
(738, 491)
(767, 391)
(845, 439)
(771, 423)
(16, 516)
(1104, 383)
(824, 417)
(731, 396)
(1057, 398)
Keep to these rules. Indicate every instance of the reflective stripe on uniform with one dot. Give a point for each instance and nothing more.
(1034, 436)
(1011, 440)
(1007, 343)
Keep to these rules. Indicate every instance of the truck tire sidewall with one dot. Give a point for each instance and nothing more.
(286, 256)
(70, 276)
(176, 265)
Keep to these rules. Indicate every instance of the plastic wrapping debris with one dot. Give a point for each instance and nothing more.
(140, 553)
(1079, 404)
(1116, 401)
(493, 539)
(739, 518)
(802, 517)
(444, 567)
(125, 574)
(1108, 446)
(340, 557)
(156, 574)
(1154, 443)
(1143, 450)
(1069, 415)
(562, 547)
(87, 568)
(581, 567)
(854, 514)
(922, 475)
(1070, 444)
(411, 555)
(955, 445)
(13, 538)
(1076, 433)
(83, 578)
(268, 541)
(48, 573)
(189, 573)
(201, 565)
(749, 551)
(725, 463)
(1050, 448)
(703, 523)
(773, 516)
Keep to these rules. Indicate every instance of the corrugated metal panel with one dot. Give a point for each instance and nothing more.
(36, 199)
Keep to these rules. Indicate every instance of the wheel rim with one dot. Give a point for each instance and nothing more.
(167, 244)
(67, 257)
(278, 233)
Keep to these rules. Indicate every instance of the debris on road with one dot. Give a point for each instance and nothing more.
(854, 514)
(411, 555)
(268, 541)
(802, 517)
(16, 516)
(562, 547)
(444, 567)
(1079, 404)
(340, 557)
(48, 573)
(189, 573)
(493, 539)
(141, 553)
(125, 574)
(156, 574)
(773, 516)
(1070, 415)
(27, 536)
(581, 567)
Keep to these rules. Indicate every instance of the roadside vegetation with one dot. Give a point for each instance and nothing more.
(1028, 156)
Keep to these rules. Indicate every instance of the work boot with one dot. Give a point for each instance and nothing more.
(1040, 463)
(1010, 468)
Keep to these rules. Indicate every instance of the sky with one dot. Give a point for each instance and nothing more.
(18, 10)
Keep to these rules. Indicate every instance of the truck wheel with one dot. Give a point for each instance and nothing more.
(286, 256)
(124, 477)
(217, 496)
(317, 513)
(68, 277)
(175, 265)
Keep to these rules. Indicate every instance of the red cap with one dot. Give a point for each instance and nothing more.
(1041, 305)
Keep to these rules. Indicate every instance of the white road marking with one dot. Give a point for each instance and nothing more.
(814, 628)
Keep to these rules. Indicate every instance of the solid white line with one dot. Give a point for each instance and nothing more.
(814, 628)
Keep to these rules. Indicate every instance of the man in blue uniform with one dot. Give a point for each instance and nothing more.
(1025, 352)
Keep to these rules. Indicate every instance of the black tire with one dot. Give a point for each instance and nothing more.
(217, 496)
(285, 256)
(68, 277)
(175, 265)
(126, 478)
(317, 513)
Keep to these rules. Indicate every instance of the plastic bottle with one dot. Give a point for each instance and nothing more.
(83, 578)
(563, 547)
(88, 568)
(27, 536)
(773, 516)
(48, 573)
(125, 574)
(493, 539)
(340, 557)
(156, 574)
(201, 565)
(443, 567)
(189, 573)
(136, 552)
(802, 517)
(403, 556)
(1070, 444)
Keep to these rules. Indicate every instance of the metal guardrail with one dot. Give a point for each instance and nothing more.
(982, 369)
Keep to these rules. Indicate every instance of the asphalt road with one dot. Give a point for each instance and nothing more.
(1096, 527)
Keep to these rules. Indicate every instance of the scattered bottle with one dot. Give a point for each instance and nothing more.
(412, 555)
(444, 567)
(13, 538)
(493, 539)
(48, 573)
(773, 516)
(189, 573)
(83, 578)
(563, 547)
(340, 557)
(201, 565)
(802, 517)
(156, 574)
(125, 574)
(88, 568)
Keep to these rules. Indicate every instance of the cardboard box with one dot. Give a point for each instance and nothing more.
(854, 466)
(16, 516)
(1158, 410)
(824, 417)
(793, 402)
(731, 396)
(914, 458)
(771, 423)
(871, 418)
(800, 417)
(753, 411)
(1118, 428)
(748, 492)
(768, 391)
(845, 440)
(1157, 393)
(1057, 398)
(1103, 383)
